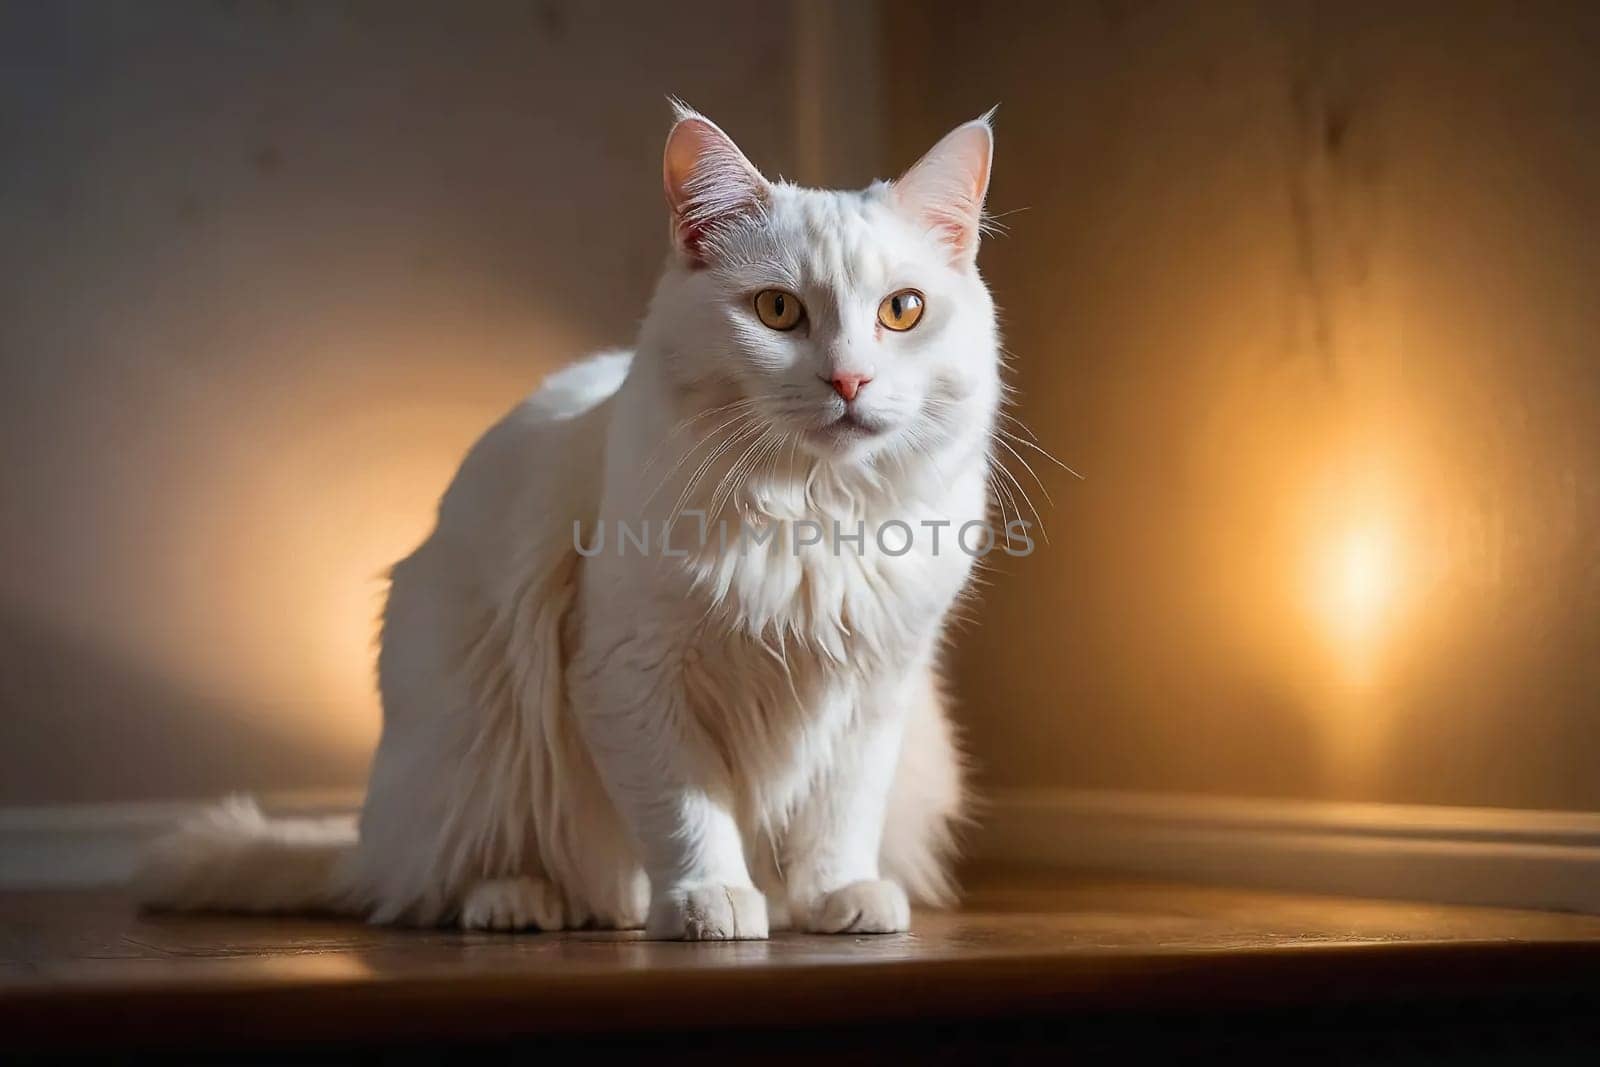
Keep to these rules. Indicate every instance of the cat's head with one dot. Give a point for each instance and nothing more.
(854, 324)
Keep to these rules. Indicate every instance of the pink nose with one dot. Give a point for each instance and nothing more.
(848, 385)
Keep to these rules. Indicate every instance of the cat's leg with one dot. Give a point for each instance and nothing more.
(689, 840)
(520, 903)
(832, 846)
(763, 859)
(700, 889)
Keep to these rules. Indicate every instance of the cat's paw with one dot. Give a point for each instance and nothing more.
(708, 913)
(872, 907)
(513, 904)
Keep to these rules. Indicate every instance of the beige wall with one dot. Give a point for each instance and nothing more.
(1307, 293)
(1304, 290)
(265, 271)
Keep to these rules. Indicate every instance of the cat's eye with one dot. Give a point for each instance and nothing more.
(779, 310)
(901, 311)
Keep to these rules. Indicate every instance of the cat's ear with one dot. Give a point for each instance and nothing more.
(708, 182)
(944, 190)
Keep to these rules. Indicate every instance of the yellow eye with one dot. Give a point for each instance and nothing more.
(778, 309)
(902, 310)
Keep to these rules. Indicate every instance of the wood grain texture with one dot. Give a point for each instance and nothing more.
(81, 971)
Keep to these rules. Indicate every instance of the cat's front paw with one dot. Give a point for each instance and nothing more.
(513, 904)
(870, 907)
(708, 913)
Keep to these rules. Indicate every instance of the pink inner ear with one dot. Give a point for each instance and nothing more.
(944, 189)
(708, 182)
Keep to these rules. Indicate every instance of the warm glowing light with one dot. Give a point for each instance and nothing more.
(1357, 589)
(1362, 580)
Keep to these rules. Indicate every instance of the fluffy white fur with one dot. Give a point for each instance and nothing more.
(709, 745)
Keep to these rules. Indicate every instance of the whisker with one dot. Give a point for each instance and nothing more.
(743, 433)
(1001, 441)
(1026, 499)
(1002, 494)
(741, 418)
(760, 453)
(1024, 427)
(743, 406)
(1041, 450)
(732, 474)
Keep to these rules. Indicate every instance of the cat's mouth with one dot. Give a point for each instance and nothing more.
(845, 435)
(851, 426)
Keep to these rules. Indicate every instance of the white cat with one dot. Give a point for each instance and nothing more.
(716, 734)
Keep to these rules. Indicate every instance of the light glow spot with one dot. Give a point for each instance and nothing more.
(1357, 589)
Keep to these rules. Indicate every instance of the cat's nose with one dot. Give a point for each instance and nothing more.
(848, 385)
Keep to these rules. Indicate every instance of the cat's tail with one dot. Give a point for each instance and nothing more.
(234, 858)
